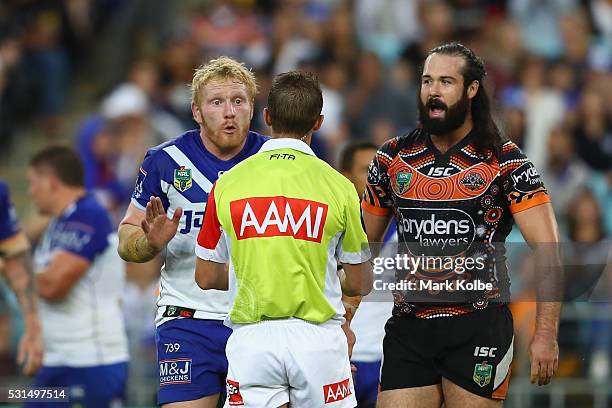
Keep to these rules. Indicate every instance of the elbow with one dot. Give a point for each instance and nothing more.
(128, 248)
(352, 292)
(362, 289)
(203, 282)
(122, 247)
(123, 254)
(366, 289)
(210, 275)
(360, 281)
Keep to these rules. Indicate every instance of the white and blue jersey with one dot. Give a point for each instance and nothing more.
(181, 173)
(369, 328)
(86, 327)
(190, 352)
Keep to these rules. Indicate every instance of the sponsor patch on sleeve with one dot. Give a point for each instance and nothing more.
(337, 391)
(233, 393)
(526, 178)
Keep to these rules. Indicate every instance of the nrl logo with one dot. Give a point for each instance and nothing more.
(473, 181)
(182, 179)
(482, 374)
(402, 181)
(171, 310)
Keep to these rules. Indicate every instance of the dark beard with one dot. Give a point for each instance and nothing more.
(453, 119)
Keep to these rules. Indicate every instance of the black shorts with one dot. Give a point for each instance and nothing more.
(473, 351)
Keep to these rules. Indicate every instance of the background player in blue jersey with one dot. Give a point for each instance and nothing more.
(175, 178)
(16, 267)
(80, 281)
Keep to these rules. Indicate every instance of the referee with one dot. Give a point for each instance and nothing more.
(280, 219)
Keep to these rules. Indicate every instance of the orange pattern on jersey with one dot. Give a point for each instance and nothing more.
(509, 147)
(460, 162)
(374, 210)
(424, 161)
(455, 187)
(442, 311)
(393, 143)
(383, 159)
(521, 202)
(471, 150)
(413, 150)
(509, 166)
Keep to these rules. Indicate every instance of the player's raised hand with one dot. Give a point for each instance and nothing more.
(544, 356)
(158, 228)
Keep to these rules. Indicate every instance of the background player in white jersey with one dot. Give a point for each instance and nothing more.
(80, 281)
(16, 267)
(176, 178)
(368, 324)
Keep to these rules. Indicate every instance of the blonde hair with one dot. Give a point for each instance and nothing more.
(222, 68)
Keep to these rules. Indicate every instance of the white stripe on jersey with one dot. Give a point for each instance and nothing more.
(182, 160)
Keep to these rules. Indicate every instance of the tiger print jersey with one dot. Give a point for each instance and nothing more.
(453, 211)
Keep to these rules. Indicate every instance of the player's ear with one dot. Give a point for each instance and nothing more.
(53, 182)
(266, 116)
(195, 112)
(318, 123)
(473, 89)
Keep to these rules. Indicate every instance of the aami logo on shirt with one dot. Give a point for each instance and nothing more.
(177, 371)
(258, 217)
(336, 391)
(233, 393)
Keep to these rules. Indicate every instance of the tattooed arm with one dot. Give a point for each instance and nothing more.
(17, 269)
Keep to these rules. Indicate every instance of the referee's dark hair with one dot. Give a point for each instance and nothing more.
(295, 102)
(64, 163)
(347, 156)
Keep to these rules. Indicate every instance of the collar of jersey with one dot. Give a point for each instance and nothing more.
(286, 143)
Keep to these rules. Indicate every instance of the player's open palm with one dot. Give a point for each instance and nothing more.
(544, 356)
(158, 228)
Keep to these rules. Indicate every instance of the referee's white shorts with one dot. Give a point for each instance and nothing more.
(275, 362)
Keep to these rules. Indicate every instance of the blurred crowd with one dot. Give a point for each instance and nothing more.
(549, 72)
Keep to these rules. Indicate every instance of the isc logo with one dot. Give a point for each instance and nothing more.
(278, 216)
(440, 171)
(485, 351)
(336, 391)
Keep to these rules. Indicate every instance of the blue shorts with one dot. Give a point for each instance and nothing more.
(191, 357)
(366, 381)
(96, 386)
